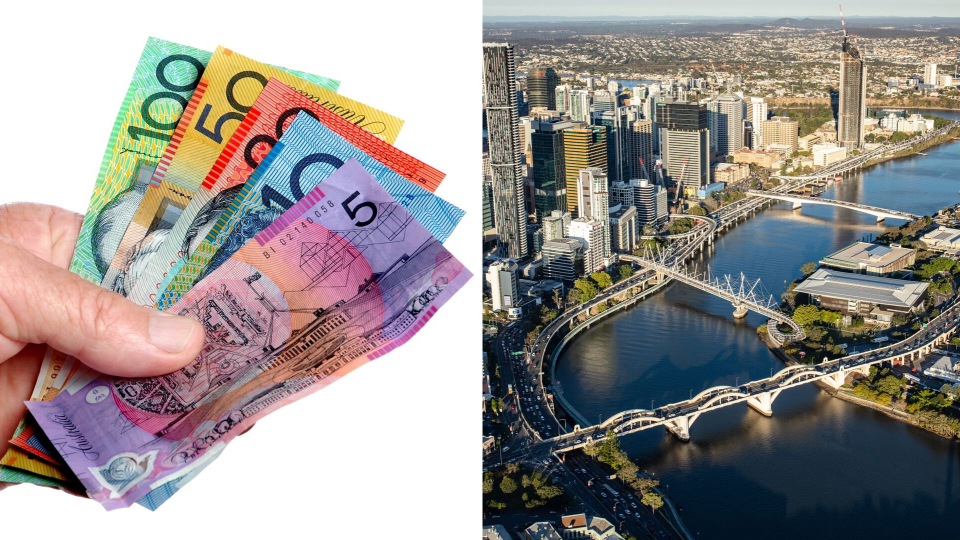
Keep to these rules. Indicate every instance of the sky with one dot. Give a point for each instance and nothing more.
(639, 8)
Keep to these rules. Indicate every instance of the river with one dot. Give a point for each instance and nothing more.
(820, 467)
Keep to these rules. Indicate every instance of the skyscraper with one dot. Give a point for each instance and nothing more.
(853, 96)
(594, 202)
(502, 277)
(604, 101)
(580, 106)
(589, 233)
(930, 73)
(582, 148)
(541, 88)
(555, 225)
(756, 113)
(562, 259)
(610, 121)
(684, 144)
(725, 115)
(549, 178)
(640, 149)
(648, 198)
(500, 86)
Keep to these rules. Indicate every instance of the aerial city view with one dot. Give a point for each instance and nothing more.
(721, 260)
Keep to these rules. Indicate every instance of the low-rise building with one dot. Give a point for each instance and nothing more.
(942, 239)
(876, 299)
(542, 530)
(730, 172)
(945, 368)
(828, 153)
(872, 259)
(576, 526)
(757, 157)
(807, 141)
(710, 189)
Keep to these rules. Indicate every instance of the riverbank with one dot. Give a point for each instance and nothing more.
(914, 150)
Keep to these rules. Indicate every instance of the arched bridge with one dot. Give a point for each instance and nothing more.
(760, 394)
(798, 200)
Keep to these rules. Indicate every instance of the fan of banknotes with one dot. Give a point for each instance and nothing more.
(258, 201)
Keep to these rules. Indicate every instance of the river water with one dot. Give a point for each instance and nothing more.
(820, 467)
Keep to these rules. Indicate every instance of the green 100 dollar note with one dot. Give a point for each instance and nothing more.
(162, 85)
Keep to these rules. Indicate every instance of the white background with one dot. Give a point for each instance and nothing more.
(393, 449)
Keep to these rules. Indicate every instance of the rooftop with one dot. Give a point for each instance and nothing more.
(542, 531)
(861, 254)
(864, 288)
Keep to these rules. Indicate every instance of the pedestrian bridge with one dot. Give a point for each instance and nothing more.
(799, 200)
(742, 293)
(759, 394)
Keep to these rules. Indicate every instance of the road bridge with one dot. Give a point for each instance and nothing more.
(760, 394)
(799, 200)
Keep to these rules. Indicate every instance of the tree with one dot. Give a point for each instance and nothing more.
(890, 385)
(644, 484)
(808, 268)
(806, 315)
(549, 492)
(508, 485)
(487, 482)
(602, 279)
(592, 449)
(512, 468)
(696, 210)
(652, 500)
(587, 289)
(625, 271)
(830, 317)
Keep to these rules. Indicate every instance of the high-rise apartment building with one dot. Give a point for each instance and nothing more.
(541, 88)
(582, 148)
(589, 232)
(780, 130)
(580, 106)
(604, 101)
(503, 134)
(725, 120)
(562, 98)
(623, 229)
(852, 107)
(930, 74)
(594, 202)
(756, 113)
(549, 178)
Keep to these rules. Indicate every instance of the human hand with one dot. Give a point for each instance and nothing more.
(41, 303)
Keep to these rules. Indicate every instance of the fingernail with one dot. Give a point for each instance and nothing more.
(170, 333)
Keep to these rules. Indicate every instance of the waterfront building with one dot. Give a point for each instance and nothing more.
(780, 130)
(730, 172)
(684, 144)
(589, 232)
(946, 368)
(725, 121)
(562, 99)
(593, 201)
(541, 88)
(828, 153)
(509, 202)
(580, 106)
(648, 198)
(549, 173)
(756, 112)
(914, 122)
(502, 278)
(876, 299)
(556, 225)
(562, 259)
(852, 101)
(623, 229)
(872, 259)
(942, 239)
(582, 148)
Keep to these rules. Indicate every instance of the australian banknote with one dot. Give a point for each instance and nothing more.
(263, 198)
(271, 113)
(341, 278)
(228, 86)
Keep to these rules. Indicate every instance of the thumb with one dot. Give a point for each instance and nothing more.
(42, 303)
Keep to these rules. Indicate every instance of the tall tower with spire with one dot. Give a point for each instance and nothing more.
(853, 94)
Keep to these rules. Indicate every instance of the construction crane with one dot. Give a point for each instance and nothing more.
(843, 24)
(680, 182)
